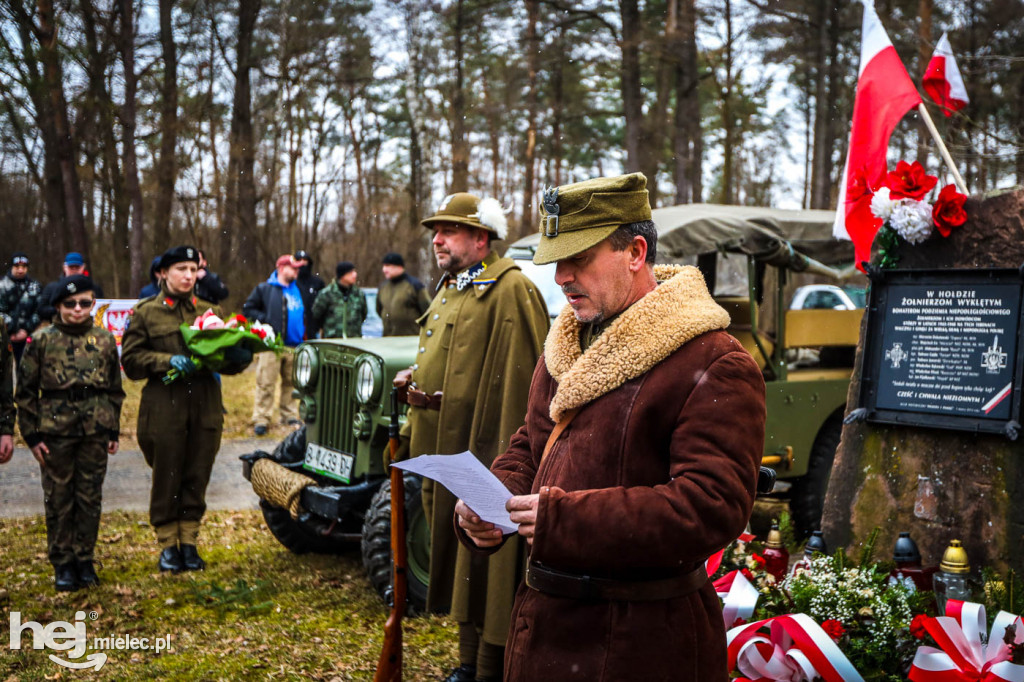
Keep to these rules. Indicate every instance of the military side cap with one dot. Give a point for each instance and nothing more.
(469, 210)
(577, 216)
(178, 254)
(71, 285)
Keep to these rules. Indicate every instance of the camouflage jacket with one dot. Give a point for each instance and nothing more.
(340, 313)
(7, 410)
(69, 384)
(18, 302)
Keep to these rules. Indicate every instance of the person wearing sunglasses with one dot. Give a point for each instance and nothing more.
(69, 404)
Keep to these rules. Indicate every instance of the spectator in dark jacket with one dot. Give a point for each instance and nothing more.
(310, 285)
(74, 264)
(277, 302)
(19, 294)
(153, 288)
(401, 299)
(209, 286)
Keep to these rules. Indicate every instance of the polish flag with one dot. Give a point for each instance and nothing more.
(942, 79)
(884, 94)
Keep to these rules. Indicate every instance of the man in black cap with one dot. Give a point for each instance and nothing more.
(18, 296)
(402, 299)
(180, 423)
(309, 285)
(340, 309)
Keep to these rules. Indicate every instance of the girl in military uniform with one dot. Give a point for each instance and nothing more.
(69, 398)
(180, 423)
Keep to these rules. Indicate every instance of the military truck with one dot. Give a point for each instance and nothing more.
(324, 487)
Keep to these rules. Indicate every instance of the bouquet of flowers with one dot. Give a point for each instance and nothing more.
(900, 204)
(209, 338)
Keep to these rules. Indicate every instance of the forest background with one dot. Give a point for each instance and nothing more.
(256, 127)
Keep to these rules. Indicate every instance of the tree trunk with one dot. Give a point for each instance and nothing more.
(417, 132)
(529, 156)
(139, 265)
(632, 93)
(728, 126)
(166, 167)
(820, 171)
(53, 79)
(243, 147)
(460, 148)
(686, 119)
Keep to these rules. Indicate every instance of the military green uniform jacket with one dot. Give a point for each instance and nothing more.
(340, 311)
(7, 411)
(479, 346)
(69, 384)
(400, 302)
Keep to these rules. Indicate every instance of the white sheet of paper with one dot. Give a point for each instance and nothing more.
(468, 480)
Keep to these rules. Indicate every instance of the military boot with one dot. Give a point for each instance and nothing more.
(65, 577)
(464, 673)
(87, 574)
(170, 560)
(191, 559)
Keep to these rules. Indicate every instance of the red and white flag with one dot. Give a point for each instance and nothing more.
(885, 93)
(942, 79)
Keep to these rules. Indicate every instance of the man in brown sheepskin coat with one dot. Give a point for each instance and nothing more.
(638, 457)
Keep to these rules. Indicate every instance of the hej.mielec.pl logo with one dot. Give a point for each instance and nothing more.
(71, 638)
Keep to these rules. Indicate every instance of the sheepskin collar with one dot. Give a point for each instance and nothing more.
(646, 333)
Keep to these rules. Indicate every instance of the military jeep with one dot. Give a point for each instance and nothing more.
(327, 487)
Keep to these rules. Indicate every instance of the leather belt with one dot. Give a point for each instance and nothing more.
(73, 394)
(576, 586)
(418, 398)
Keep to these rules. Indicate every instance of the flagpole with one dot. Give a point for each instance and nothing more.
(960, 185)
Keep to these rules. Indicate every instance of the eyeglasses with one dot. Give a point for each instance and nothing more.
(71, 305)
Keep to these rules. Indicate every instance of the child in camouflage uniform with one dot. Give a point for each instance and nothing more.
(69, 398)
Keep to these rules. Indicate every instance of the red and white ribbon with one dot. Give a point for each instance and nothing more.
(739, 597)
(962, 655)
(796, 650)
(714, 561)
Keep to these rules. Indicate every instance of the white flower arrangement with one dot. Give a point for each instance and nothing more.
(912, 220)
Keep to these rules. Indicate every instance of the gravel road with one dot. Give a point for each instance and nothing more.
(128, 479)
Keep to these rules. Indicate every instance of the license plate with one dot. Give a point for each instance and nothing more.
(328, 462)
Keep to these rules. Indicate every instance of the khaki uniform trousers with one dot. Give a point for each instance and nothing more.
(269, 368)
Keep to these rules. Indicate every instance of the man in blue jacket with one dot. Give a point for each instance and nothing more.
(277, 302)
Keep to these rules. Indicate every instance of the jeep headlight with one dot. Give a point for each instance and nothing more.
(369, 379)
(306, 365)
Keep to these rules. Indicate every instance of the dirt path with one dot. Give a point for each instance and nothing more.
(128, 479)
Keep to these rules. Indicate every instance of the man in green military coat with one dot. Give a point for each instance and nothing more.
(339, 310)
(180, 422)
(401, 299)
(478, 345)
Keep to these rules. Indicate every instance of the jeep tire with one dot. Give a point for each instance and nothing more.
(376, 543)
(807, 496)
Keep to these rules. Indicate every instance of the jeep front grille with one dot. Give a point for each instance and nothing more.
(336, 420)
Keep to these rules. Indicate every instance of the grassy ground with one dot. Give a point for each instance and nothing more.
(257, 612)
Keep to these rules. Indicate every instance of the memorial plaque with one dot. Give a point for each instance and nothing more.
(942, 349)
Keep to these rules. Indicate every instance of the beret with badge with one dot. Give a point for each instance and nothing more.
(178, 254)
(71, 285)
(581, 215)
(471, 211)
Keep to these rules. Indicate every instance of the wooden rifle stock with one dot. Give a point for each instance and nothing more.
(389, 665)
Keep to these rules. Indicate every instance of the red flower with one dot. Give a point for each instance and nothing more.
(909, 180)
(259, 332)
(917, 626)
(833, 628)
(948, 211)
(738, 622)
(758, 559)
